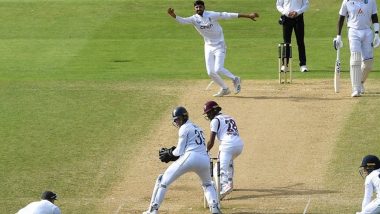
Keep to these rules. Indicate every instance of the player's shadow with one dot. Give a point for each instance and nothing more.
(290, 98)
(275, 192)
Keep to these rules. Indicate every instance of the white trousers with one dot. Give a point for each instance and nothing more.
(361, 41)
(226, 157)
(214, 58)
(189, 162)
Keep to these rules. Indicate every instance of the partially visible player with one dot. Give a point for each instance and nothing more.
(370, 170)
(206, 23)
(190, 155)
(44, 206)
(223, 127)
(361, 14)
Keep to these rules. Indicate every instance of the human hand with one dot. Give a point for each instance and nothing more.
(376, 40)
(337, 42)
(292, 14)
(171, 12)
(253, 16)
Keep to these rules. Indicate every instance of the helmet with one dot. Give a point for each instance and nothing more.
(179, 116)
(369, 163)
(210, 109)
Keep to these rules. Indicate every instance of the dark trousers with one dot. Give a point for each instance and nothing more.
(298, 25)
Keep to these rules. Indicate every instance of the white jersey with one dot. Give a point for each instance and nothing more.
(208, 26)
(40, 207)
(358, 13)
(191, 139)
(286, 6)
(226, 131)
(371, 184)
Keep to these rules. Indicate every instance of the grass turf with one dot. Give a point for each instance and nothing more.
(79, 79)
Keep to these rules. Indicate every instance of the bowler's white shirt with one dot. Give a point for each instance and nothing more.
(358, 13)
(40, 207)
(208, 26)
(226, 131)
(286, 6)
(371, 184)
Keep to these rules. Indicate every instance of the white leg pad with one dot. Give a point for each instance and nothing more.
(367, 66)
(231, 173)
(355, 70)
(154, 194)
(210, 194)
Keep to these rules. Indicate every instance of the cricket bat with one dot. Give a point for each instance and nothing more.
(337, 71)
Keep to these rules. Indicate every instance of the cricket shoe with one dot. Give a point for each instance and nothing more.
(284, 68)
(222, 92)
(303, 68)
(356, 94)
(215, 209)
(151, 212)
(152, 209)
(237, 85)
(362, 89)
(227, 189)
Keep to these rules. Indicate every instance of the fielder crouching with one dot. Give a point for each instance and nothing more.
(370, 171)
(190, 155)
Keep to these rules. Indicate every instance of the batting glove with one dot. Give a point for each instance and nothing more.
(337, 42)
(376, 40)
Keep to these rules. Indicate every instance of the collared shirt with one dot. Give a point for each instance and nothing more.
(226, 131)
(207, 25)
(358, 13)
(190, 139)
(287, 6)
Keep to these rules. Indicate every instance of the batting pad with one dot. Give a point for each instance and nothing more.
(367, 66)
(355, 70)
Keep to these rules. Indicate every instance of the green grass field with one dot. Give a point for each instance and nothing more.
(79, 79)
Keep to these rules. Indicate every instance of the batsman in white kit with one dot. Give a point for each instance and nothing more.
(361, 15)
(190, 155)
(225, 129)
(370, 170)
(206, 23)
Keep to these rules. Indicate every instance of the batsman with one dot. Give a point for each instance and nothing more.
(190, 155)
(361, 16)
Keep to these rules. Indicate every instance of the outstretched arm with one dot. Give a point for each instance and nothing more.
(179, 19)
(250, 16)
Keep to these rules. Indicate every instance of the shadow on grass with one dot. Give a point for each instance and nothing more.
(278, 191)
(291, 98)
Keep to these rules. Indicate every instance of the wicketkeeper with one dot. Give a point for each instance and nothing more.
(190, 155)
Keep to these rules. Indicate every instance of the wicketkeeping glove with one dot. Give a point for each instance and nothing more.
(166, 155)
(376, 40)
(337, 42)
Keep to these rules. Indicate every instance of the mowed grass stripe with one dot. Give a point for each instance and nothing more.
(70, 137)
(59, 58)
(359, 137)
